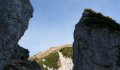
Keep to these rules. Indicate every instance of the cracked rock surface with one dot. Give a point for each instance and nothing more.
(96, 43)
(14, 19)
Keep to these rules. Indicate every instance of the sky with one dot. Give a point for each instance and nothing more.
(54, 21)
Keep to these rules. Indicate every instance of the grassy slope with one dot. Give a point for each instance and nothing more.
(67, 52)
(52, 59)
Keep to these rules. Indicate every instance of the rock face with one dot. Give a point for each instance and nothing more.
(96, 43)
(14, 19)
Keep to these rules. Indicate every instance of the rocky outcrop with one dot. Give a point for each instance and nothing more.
(96, 43)
(14, 19)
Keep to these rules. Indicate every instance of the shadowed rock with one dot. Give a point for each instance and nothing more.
(96, 43)
(14, 19)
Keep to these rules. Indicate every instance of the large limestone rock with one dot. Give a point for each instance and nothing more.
(14, 19)
(96, 43)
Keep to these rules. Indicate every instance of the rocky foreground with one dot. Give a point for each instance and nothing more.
(96, 43)
(14, 19)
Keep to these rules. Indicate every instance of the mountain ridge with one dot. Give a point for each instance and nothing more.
(55, 58)
(47, 52)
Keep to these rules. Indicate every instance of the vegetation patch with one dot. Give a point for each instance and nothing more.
(67, 52)
(101, 20)
(50, 61)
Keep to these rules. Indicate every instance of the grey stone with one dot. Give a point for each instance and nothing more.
(14, 19)
(96, 43)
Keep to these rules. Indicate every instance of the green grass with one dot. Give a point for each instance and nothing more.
(101, 20)
(50, 61)
(67, 52)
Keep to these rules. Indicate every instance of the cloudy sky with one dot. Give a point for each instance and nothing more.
(54, 21)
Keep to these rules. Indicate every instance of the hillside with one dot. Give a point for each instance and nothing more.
(55, 58)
